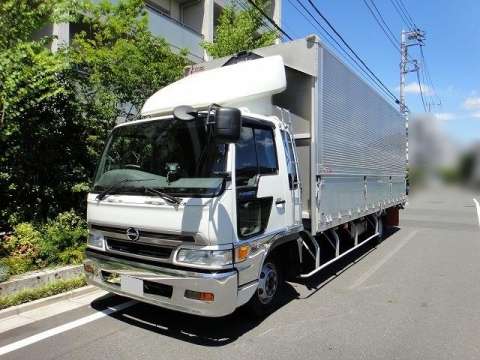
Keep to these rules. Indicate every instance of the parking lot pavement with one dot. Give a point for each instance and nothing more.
(414, 296)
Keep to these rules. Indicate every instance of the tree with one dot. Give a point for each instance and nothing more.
(240, 30)
(21, 19)
(56, 108)
(124, 64)
(32, 93)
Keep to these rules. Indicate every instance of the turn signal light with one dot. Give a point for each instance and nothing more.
(241, 253)
(197, 295)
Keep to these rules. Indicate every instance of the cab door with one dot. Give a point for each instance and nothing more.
(293, 196)
(261, 207)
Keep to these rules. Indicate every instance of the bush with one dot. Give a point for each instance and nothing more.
(73, 255)
(24, 241)
(18, 264)
(30, 247)
(22, 249)
(4, 272)
(64, 238)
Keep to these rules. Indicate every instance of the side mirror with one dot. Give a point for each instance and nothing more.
(228, 123)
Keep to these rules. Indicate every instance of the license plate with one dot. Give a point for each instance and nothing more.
(131, 285)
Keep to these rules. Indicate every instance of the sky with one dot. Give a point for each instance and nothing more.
(452, 52)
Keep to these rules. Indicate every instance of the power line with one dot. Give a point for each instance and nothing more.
(383, 20)
(425, 88)
(269, 19)
(379, 19)
(429, 78)
(407, 13)
(349, 58)
(352, 51)
(404, 19)
(303, 15)
(333, 43)
(245, 7)
(421, 91)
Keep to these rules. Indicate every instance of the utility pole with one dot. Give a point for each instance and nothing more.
(408, 38)
(403, 72)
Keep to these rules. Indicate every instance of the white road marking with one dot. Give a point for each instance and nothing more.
(49, 310)
(478, 210)
(382, 262)
(62, 328)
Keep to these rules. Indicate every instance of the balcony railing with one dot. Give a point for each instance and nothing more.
(175, 33)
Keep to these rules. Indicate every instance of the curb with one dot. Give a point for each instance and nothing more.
(19, 309)
(39, 278)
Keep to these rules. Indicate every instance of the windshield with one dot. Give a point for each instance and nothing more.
(174, 156)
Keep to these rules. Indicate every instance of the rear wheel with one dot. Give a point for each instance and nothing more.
(269, 284)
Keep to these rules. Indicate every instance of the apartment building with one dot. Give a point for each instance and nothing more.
(183, 23)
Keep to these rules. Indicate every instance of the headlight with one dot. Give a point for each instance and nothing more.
(210, 258)
(96, 240)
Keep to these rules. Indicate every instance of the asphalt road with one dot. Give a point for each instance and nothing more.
(415, 296)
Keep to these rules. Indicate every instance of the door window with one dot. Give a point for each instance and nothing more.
(291, 166)
(266, 154)
(255, 156)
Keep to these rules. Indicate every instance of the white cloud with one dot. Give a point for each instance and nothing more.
(476, 115)
(472, 103)
(445, 116)
(414, 88)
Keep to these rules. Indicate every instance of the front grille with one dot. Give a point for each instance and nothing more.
(149, 234)
(137, 248)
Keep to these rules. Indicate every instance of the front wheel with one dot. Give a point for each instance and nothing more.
(269, 284)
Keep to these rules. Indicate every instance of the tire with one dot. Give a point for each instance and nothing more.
(265, 299)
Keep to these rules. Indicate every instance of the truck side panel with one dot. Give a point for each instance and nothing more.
(359, 132)
(360, 148)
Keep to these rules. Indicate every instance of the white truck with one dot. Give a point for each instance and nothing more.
(249, 170)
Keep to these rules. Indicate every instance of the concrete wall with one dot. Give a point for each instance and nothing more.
(192, 14)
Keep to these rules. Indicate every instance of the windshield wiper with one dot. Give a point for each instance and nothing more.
(117, 186)
(169, 198)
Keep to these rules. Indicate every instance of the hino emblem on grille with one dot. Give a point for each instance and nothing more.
(133, 234)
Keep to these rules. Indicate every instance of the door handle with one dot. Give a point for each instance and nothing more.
(280, 202)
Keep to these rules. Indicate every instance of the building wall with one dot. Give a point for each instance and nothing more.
(177, 34)
(183, 24)
(192, 14)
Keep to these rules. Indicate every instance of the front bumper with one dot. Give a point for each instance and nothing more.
(224, 285)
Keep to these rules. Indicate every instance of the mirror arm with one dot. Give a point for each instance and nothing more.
(210, 108)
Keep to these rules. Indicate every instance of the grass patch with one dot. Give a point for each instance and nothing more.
(50, 289)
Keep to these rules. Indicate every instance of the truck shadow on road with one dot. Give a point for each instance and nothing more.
(213, 332)
(197, 330)
(333, 271)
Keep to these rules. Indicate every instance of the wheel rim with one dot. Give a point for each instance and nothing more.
(268, 284)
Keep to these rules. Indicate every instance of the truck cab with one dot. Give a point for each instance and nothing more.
(190, 202)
